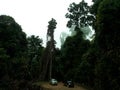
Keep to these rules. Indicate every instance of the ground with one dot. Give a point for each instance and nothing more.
(60, 86)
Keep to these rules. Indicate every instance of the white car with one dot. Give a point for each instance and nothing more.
(53, 82)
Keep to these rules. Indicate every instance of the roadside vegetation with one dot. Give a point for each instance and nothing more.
(93, 62)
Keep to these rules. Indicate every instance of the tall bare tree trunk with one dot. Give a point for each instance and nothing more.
(48, 54)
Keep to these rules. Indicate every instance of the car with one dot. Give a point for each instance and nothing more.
(53, 82)
(69, 83)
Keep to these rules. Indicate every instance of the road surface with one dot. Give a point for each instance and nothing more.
(60, 86)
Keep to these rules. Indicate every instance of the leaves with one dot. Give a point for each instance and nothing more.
(79, 15)
(12, 38)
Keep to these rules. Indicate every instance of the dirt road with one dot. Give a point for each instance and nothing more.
(60, 86)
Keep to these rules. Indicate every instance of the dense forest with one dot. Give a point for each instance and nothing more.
(93, 63)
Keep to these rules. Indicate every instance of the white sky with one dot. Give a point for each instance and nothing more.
(33, 15)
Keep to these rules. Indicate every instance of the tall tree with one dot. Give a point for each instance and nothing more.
(71, 53)
(12, 38)
(48, 55)
(13, 47)
(79, 15)
(75, 46)
(35, 50)
(108, 42)
(34, 47)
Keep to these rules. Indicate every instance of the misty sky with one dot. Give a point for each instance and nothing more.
(33, 15)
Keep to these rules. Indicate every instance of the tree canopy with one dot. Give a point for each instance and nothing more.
(12, 38)
(95, 63)
(79, 15)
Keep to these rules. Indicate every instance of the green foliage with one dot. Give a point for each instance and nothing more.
(3, 63)
(14, 58)
(107, 39)
(72, 51)
(35, 50)
(79, 15)
(57, 66)
(95, 64)
(108, 24)
(95, 6)
(34, 46)
(12, 38)
(94, 10)
(18, 68)
(51, 26)
(86, 68)
(73, 63)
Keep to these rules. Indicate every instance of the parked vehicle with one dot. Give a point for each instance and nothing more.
(53, 82)
(69, 83)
